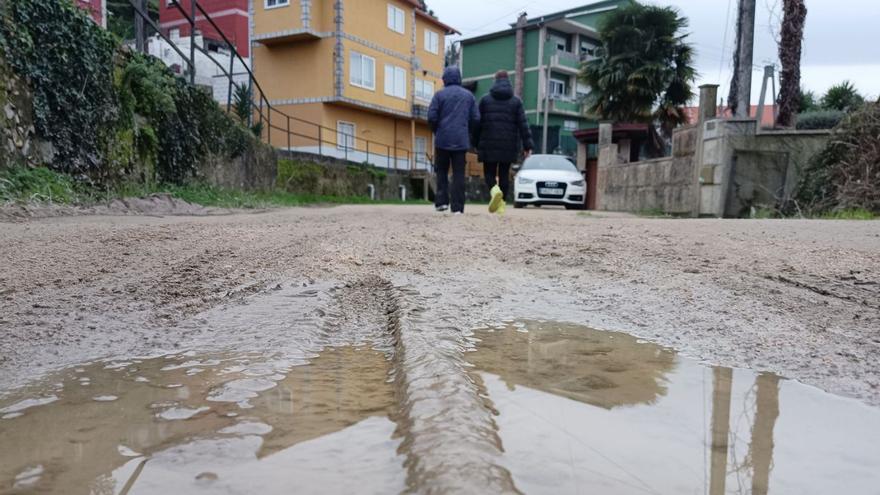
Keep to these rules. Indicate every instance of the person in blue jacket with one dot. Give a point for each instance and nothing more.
(453, 116)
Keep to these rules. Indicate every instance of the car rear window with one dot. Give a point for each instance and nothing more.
(545, 162)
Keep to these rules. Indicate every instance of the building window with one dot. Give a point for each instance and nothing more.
(421, 152)
(345, 132)
(424, 89)
(557, 88)
(432, 42)
(395, 81)
(396, 19)
(271, 4)
(362, 71)
(570, 125)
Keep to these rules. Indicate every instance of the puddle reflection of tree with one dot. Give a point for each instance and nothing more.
(611, 370)
(759, 459)
(603, 369)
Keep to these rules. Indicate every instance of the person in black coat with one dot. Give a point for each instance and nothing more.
(502, 133)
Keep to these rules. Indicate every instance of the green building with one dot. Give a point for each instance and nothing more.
(550, 55)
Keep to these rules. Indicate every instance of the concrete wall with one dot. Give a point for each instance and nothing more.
(665, 184)
(742, 168)
(720, 168)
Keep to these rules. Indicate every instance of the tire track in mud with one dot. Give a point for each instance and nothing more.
(445, 420)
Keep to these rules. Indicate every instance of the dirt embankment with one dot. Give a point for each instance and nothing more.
(801, 298)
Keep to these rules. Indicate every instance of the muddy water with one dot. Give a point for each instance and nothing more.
(525, 407)
(584, 411)
(227, 424)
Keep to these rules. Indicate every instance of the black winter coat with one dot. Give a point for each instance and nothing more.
(503, 129)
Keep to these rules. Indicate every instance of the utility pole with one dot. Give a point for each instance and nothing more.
(546, 112)
(741, 86)
(520, 55)
(769, 73)
(140, 35)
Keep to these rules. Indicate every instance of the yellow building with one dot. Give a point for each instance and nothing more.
(364, 70)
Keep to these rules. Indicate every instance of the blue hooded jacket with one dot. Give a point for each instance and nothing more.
(453, 114)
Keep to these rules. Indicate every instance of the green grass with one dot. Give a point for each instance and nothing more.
(38, 184)
(855, 214)
(21, 184)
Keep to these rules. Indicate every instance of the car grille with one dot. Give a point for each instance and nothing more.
(552, 185)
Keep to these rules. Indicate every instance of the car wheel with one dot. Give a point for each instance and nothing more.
(519, 205)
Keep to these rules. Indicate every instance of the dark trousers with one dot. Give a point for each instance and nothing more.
(502, 170)
(443, 160)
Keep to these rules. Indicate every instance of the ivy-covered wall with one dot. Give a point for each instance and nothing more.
(109, 114)
(18, 143)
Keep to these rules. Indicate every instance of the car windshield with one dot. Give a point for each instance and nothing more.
(548, 162)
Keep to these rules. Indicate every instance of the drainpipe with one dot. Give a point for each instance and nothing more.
(371, 190)
(520, 55)
(402, 189)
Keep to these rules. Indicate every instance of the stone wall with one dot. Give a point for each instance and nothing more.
(664, 184)
(328, 176)
(254, 170)
(18, 142)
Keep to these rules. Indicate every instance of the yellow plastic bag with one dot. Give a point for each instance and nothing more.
(496, 204)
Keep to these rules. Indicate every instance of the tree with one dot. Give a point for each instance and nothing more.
(806, 101)
(790, 46)
(453, 54)
(843, 97)
(120, 17)
(423, 6)
(643, 71)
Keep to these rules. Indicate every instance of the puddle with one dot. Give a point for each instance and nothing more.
(322, 427)
(585, 411)
(565, 409)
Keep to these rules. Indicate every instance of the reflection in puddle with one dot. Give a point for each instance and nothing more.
(319, 427)
(575, 411)
(580, 410)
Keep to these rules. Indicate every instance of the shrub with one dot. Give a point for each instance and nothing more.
(822, 119)
(846, 174)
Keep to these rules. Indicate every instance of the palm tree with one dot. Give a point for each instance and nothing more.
(843, 97)
(790, 43)
(643, 71)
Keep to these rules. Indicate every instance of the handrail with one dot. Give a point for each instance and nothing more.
(159, 32)
(261, 98)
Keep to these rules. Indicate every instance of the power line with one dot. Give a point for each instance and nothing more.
(516, 11)
(724, 39)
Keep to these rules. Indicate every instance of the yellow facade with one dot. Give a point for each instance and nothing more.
(330, 109)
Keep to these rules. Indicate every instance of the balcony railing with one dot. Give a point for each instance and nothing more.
(420, 112)
(567, 104)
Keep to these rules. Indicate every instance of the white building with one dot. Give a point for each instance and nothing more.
(208, 73)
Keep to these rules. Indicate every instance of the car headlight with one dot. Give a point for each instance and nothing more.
(579, 183)
(523, 180)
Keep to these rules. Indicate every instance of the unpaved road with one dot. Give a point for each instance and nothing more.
(801, 298)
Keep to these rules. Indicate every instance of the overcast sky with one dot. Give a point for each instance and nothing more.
(842, 38)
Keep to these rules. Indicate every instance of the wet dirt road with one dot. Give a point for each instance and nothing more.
(244, 306)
